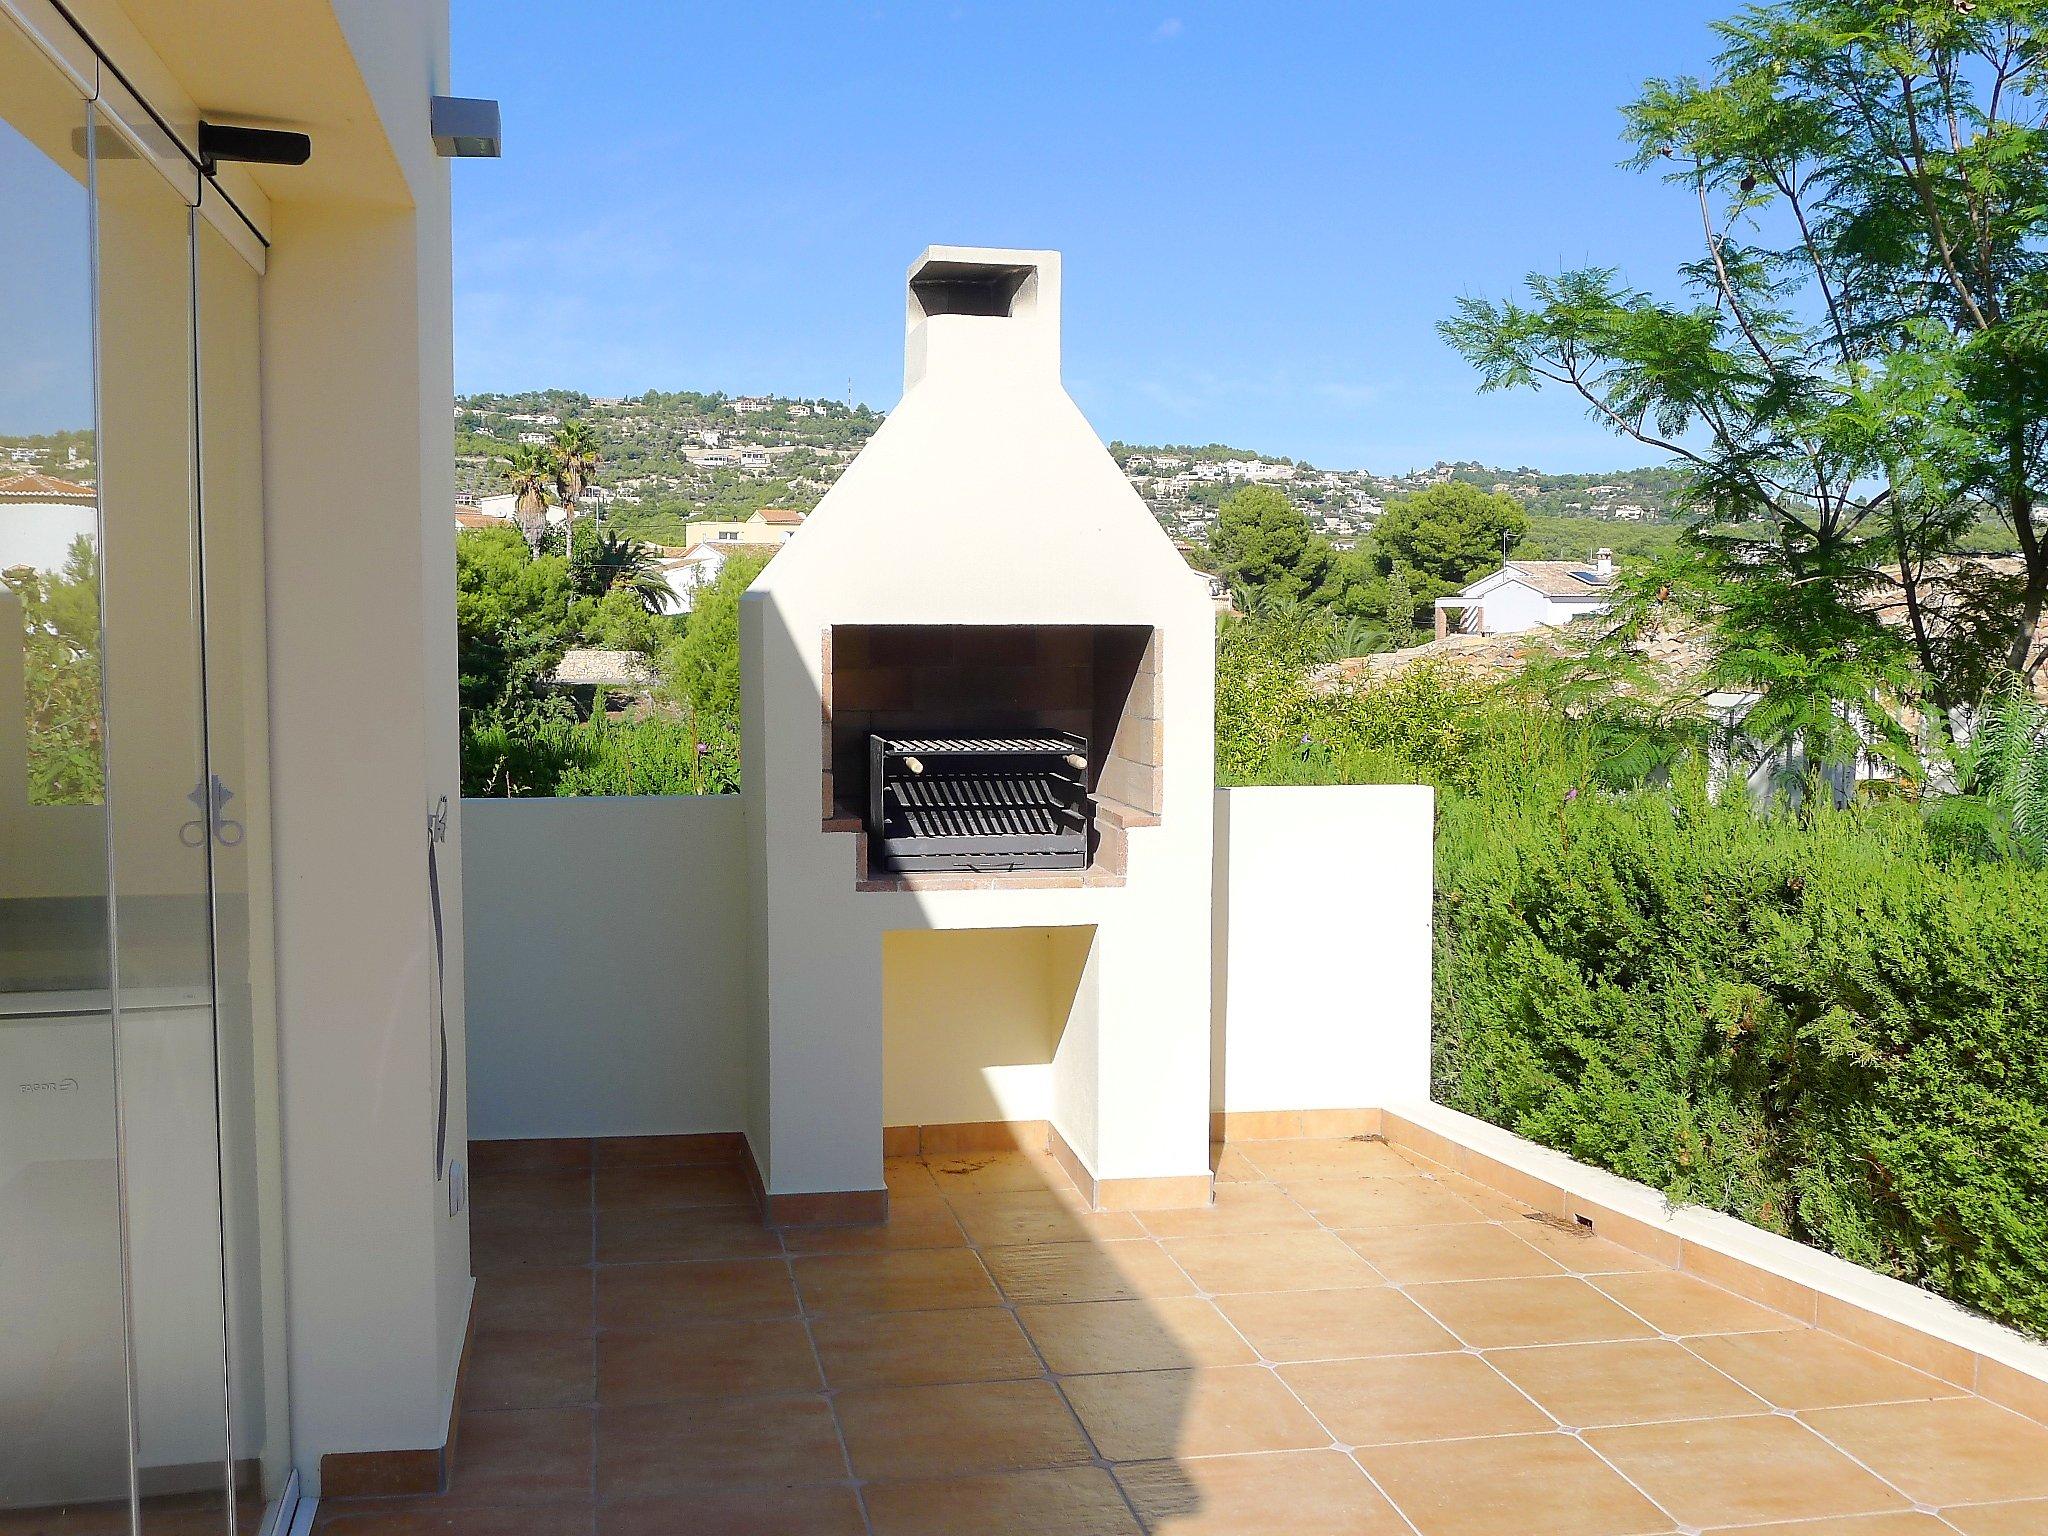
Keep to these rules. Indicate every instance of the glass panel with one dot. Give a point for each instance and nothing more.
(163, 822)
(63, 1385)
(237, 726)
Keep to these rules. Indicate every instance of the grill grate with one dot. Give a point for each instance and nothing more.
(979, 803)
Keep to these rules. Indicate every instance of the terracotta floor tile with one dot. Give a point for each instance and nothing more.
(446, 1516)
(1684, 1304)
(1087, 1272)
(1274, 1261)
(2025, 1519)
(959, 1431)
(667, 1188)
(1290, 1493)
(1412, 1397)
(535, 1190)
(564, 1298)
(526, 1156)
(638, 1236)
(908, 1177)
(1233, 1167)
(1335, 1325)
(1899, 1523)
(1530, 1485)
(1236, 1208)
(1015, 1218)
(518, 1239)
(728, 1443)
(661, 1365)
(914, 1222)
(738, 1512)
(1341, 1158)
(1162, 1333)
(1484, 1198)
(1056, 1501)
(1642, 1381)
(1501, 1314)
(1805, 1368)
(1709, 1472)
(913, 1281)
(655, 1295)
(664, 1151)
(1140, 1415)
(524, 1455)
(1577, 1249)
(904, 1349)
(530, 1368)
(1378, 1202)
(1959, 1450)
(1407, 1255)
(984, 1173)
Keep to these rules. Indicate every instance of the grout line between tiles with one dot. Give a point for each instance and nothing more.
(787, 1258)
(1314, 1417)
(803, 1312)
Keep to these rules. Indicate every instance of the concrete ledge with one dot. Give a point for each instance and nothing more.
(1291, 1124)
(430, 1469)
(1890, 1317)
(829, 1208)
(1171, 1192)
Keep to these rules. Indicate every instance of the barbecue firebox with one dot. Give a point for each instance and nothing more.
(979, 803)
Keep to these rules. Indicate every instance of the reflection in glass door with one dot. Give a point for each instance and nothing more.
(63, 1371)
(141, 1277)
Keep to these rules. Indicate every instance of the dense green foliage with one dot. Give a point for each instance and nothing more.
(60, 621)
(1822, 1020)
(1855, 380)
(517, 613)
(1450, 533)
(650, 756)
(702, 668)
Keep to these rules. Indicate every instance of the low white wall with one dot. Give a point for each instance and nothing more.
(606, 945)
(606, 939)
(1322, 947)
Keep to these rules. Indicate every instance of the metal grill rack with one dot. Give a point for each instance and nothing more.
(978, 803)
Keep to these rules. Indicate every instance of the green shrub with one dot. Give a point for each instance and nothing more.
(1817, 1024)
(653, 756)
(1831, 1023)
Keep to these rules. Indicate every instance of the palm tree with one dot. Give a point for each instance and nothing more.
(576, 452)
(623, 562)
(529, 471)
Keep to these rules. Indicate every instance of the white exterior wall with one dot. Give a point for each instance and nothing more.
(1323, 924)
(985, 498)
(1322, 975)
(592, 1018)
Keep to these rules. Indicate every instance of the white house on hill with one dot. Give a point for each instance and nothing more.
(1528, 594)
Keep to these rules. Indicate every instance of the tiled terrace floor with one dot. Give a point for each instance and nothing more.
(1348, 1344)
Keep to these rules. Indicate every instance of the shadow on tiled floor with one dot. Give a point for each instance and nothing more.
(1349, 1343)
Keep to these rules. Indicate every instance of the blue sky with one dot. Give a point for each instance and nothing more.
(1264, 208)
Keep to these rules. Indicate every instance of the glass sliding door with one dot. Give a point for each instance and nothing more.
(142, 1340)
(160, 835)
(64, 1413)
(238, 756)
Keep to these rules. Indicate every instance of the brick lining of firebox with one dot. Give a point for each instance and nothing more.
(1102, 681)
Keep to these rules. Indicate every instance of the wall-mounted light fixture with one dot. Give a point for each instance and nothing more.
(251, 146)
(466, 128)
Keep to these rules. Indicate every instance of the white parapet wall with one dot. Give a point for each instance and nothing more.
(606, 942)
(1322, 947)
(606, 938)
